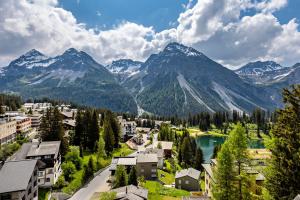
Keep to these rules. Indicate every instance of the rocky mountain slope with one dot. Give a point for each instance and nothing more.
(74, 76)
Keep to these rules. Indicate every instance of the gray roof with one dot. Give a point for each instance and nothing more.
(22, 152)
(147, 158)
(131, 192)
(191, 172)
(207, 168)
(16, 175)
(44, 148)
(159, 152)
(128, 161)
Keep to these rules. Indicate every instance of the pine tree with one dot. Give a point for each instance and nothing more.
(217, 148)
(186, 151)
(78, 136)
(93, 133)
(239, 145)
(101, 148)
(108, 137)
(120, 177)
(132, 178)
(224, 187)
(86, 127)
(198, 159)
(283, 174)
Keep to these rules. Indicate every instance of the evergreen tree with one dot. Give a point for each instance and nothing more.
(101, 148)
(283, 174)
(93, 133)
(86, 127)
(108, 137)
(186, 151)
(132, 178)
(198, 159)
(224, 187)
(79, 129)
(120, 177)
(68, 170)
(74, 156)
(238, 144)
(217, 148)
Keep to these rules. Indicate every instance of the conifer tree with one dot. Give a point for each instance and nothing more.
(120, 177)
(78, 135)
(93, 133)
(224, 187)
(108, 137)
(198, 159)
(101, 148)
(283, 174)
(186, 151)
(132, 178)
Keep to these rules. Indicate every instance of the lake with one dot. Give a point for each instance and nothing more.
(208, 142)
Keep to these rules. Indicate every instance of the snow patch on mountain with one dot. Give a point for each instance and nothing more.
(185, 86)
(227, 99)
(258, 68)
(61, 74)
(175, 47)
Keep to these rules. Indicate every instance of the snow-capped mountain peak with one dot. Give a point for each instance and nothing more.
(175, 47)
(258, 68)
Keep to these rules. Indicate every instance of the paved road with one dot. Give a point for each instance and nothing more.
(98, 184)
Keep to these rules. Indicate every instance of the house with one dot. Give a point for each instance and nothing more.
(128, 128)
(166, 146)
(146, 166)
(143, 130)
(209, 179)
(19, 180)
(67, 115)
(128, 162)
(69, 124)
(160, 156)
(130, 192)
(8, 131)
(46, 152)
(138, 139)
(188, 179)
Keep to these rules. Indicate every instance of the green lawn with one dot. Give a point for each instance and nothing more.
(158, 192)
(166, 177)
(76, 183)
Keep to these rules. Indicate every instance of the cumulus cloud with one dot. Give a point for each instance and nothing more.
(214, 27)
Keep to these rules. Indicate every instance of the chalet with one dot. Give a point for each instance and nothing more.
(128, 162)
(188, 179)
(146, 166)
(130, 192)
(166, 146)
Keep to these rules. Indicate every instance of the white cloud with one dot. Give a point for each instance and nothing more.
(214, 27)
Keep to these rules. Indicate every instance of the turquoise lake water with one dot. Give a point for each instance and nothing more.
(208, 142)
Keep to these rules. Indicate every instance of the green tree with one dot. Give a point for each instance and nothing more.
(108, 137)
(224, 187)
(101, 148)
(74, 156)
(283, 174)
(68, 170)
(239, 144)
(120, 177)
(79, 129)
(108, 196)
(198, 159)
(159, 145)
(217, 148)
(132, 178)
(93, 133)
(186, 151)
(88, 171)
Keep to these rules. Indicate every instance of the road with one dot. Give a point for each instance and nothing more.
(99, 183)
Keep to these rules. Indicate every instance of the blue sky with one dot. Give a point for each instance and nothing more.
(161, 14)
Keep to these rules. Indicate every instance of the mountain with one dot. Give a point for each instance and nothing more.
(124, 68)
(73, 76)
(263, 73)
(181, 80)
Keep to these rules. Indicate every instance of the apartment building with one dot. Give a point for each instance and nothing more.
(128, 128)
(8, 130)
(19, 180)
(146, 166)
(36, 120)
(47, 153)
(23, 124)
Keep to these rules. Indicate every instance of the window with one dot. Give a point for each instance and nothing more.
(179, 181)
(47, 156)
(41, 173)
(153, 175)
(186, 182)
(35, 183)
(29, 191)
(47, 179)
(50, 171)
(35, 194)
(142, 170)
(153, 170)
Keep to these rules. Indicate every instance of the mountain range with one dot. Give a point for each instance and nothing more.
(178, 80)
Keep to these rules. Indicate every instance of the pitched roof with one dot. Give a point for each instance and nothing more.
(130, 160)
(16, 175)
(131, 192)
(207, 168)
(147, 158)
(44, 148)
(297, 197)
(191, 172)
(159, 152)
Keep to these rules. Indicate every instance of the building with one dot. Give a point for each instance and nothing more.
(166, 146)
(160, 156)
(128, 128)
(46, 152)
(68, 115)
(36, 120)
(188, 179)
(19, 180)
(209, 178)
(128, 162)
(23, 124)
(8, 131)
(69, 124)
(37, 107)
(146, 166)
(130, 192)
